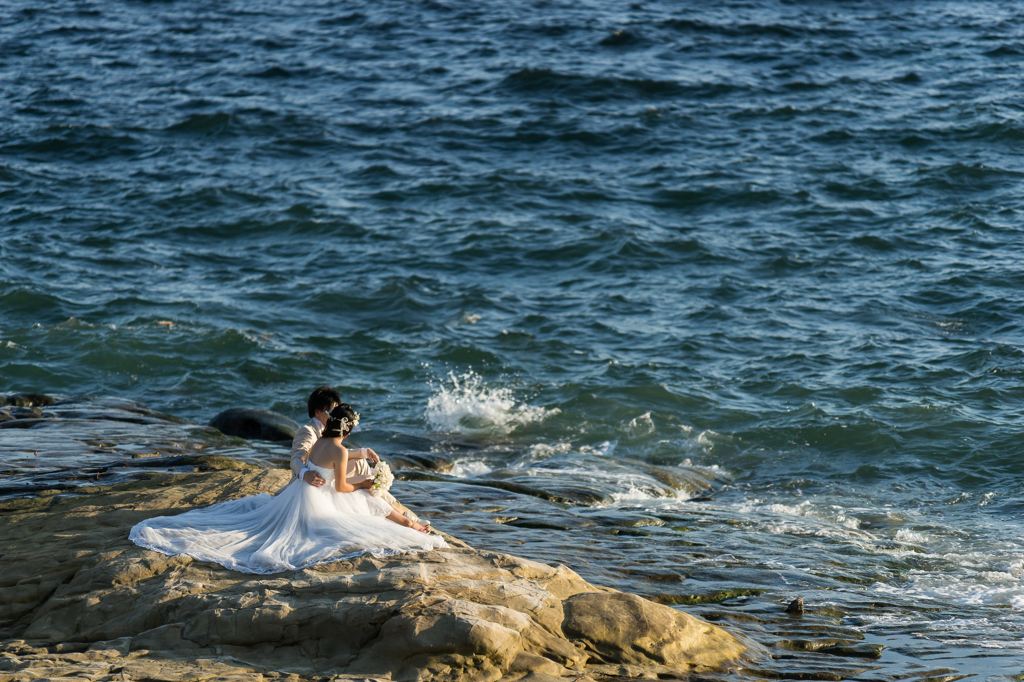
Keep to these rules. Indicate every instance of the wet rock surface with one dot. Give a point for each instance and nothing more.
(70, 442)
(27, 400)
(77, 599)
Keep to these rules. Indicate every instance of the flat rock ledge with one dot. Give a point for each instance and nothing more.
(79, 601)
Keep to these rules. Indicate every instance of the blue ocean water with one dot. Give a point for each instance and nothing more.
(615, 254)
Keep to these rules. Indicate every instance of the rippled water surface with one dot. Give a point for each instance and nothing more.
(717, 303)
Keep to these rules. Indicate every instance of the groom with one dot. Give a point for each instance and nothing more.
(320, 403)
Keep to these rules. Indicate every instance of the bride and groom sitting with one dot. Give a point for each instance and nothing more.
(324, 406)
(328, 515)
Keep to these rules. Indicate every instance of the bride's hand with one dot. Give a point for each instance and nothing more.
(365, 485)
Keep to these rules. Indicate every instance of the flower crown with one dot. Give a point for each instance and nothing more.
(343, 424)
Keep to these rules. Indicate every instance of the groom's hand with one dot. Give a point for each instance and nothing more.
(372, 456)
(313, 478)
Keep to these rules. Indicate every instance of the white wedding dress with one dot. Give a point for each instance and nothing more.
(299, 527)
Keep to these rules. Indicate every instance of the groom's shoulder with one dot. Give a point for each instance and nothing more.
(305, 432)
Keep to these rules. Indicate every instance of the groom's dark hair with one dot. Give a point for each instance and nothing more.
(322, 400)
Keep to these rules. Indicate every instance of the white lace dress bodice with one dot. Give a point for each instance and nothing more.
(299, 527)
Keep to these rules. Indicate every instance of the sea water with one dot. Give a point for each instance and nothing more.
(727, 296)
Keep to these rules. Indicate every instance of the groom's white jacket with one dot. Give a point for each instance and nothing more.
(303, 441)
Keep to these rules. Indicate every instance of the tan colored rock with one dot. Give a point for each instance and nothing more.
(624, 628)
(77, 599)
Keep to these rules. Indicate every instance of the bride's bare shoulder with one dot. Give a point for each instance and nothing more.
(325, 452)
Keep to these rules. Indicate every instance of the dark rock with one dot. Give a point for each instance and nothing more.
(21, 423)
(710, 598)
(27, 400)
(405, 460)
(26, 413)
(539, 525)
(796, 606)
(855, 651)
(254, 424)
(621, 38)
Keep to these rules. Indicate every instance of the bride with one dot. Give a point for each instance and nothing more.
(301, 526)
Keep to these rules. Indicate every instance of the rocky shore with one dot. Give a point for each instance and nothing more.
(78, 600)
(79, 472)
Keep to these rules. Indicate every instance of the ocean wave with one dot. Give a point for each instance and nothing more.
(961, 585)
(967, 177)
(754, 30)
(469, 468)
(75, 143)
(716, 196)
(43, 307)
(465, 404)
(598, 88)
(908, 536)
(587, 474)
(216, 123)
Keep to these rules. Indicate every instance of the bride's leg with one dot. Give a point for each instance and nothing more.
(403, 510)
(416, 521)
(402, 520)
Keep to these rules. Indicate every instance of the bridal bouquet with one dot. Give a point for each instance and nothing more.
(382, 478)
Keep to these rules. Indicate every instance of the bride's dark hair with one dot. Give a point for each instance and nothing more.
(340, 421)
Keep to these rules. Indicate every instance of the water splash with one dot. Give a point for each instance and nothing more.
(470, 468)
(465, 405)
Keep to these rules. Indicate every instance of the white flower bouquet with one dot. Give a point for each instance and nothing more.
(382, 478)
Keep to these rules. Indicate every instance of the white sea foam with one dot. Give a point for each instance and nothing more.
(641, 493)
(541, 452)
(621, 483)
(464, 404)
(469, 468)
(713, 470)
(704, 438)
(605, 449)
(804, 518)
(597, 465)
(962, 589)
(950, 566)
(640, 426)
(911, 537)
(992, 575)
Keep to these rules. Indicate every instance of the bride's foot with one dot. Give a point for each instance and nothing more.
(422, 527)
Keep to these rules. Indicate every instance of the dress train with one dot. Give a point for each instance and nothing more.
(299, 527)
